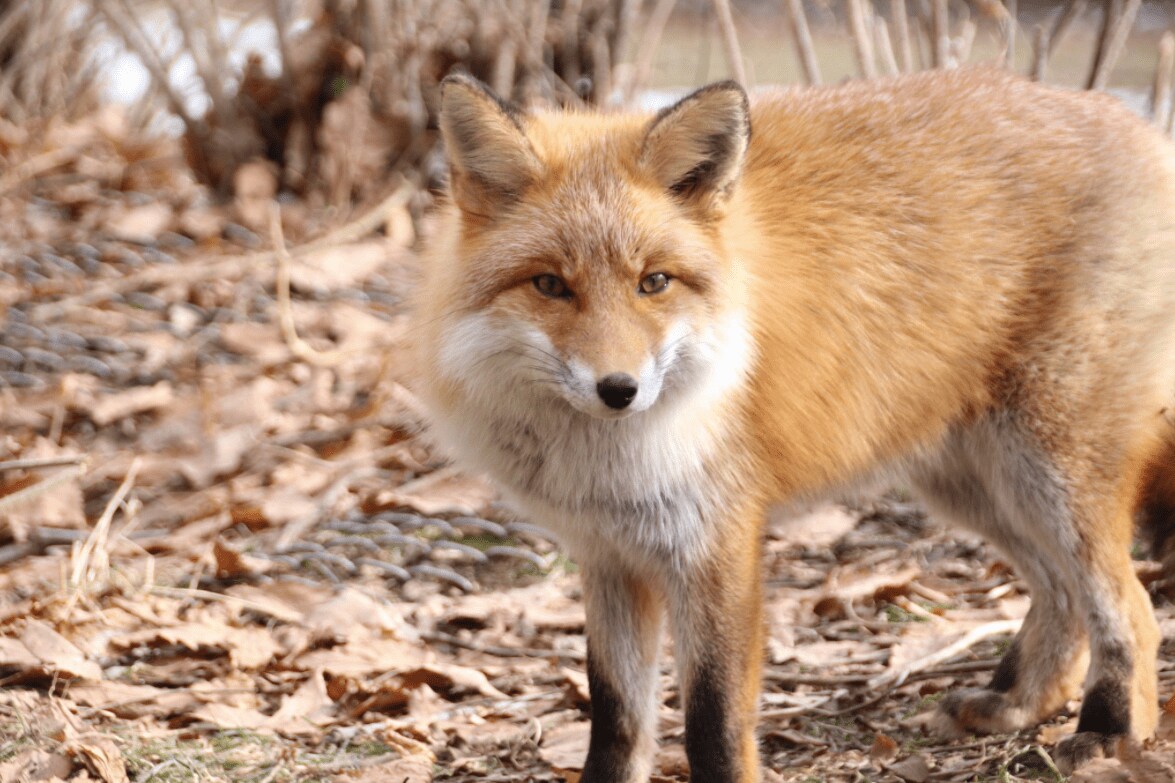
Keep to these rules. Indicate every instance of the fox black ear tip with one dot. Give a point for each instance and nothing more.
(461, 79)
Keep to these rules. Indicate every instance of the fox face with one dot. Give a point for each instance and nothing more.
(589, 275)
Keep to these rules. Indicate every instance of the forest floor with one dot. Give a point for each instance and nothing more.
(229, 553)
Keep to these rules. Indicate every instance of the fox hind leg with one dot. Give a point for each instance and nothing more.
(1044, 664)
(1121, 692)
(1069, 542)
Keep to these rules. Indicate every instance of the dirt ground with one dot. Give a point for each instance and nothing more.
(229, 553)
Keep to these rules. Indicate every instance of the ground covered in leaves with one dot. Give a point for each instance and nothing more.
(228, 551)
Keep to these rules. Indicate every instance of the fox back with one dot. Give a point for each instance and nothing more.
(649, 328)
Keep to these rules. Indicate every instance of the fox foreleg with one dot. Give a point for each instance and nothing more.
(716, 608)
(624, 623)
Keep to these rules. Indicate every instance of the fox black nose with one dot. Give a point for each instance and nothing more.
(617, 390)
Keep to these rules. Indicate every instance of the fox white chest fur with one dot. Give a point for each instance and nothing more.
(643, 485)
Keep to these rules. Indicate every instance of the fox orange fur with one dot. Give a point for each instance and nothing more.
(649, 328)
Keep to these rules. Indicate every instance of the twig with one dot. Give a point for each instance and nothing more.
(1010, 25)
(901, 26)
(940, 32)
(82, 557)
(1072, 10)
(1113, 47)
(647, 50)
(734, 54)
(43, 462)
(862, 40)
(894, 678)
(36, 166)
(51, 481)
(298, 347)
(885, 47)
(1161, 98)
(1040, 53)
(803, 38)
(502, 652)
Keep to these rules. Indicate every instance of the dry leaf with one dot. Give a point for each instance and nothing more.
(338, 267)
(915, 769)
(450, 676)
(141, 225)
(305, 710)
(817, 528)
(1101, 770)
(672, 761)
(884, 748)
(35, 765)
(231, 563)
(227, 717)
(1145, 766)
(254, 188)
(565, 747)
(1052, 734)
(441, 493)
(57, 655)
(414, 769)
(101, 755)
(577, 686)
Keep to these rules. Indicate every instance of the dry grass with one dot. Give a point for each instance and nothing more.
(46, 68)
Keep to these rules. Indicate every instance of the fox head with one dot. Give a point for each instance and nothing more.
(581, 257)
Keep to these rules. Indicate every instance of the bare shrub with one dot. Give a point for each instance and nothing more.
(46, 68)
(355, 95)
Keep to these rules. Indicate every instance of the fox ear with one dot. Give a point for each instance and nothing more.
(695, 148)
(491, 160)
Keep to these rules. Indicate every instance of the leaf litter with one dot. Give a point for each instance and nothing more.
(223, 557)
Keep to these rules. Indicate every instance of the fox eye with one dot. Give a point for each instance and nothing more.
(654, 283)
(552, 286)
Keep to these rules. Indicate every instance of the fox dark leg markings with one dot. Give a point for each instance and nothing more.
(712, 750)
(718, 628)
(624, 619)
(613, 737)
(1004, 677)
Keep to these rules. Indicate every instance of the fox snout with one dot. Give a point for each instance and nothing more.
(617, 390)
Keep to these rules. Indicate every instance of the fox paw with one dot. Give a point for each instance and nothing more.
(1082, 747)
(977, 711)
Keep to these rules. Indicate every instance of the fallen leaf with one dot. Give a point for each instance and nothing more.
(1101, 771)
(57, 655)
(228, 717)
(34, 765)
(451, 676)
(884, 748)
(306, 709)
(337, 267)
(141, 225)
(1145, 766)
(565, 747)
(440, 493)
(414, 769)
(254, 188)
(101, 755)
(577, 686)
(819, 527)
(914, 769)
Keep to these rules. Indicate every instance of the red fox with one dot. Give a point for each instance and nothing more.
(648, 328)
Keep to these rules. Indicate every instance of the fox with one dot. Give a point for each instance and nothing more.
(650, 328)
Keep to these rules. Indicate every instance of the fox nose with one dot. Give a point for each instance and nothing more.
(617, 390)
